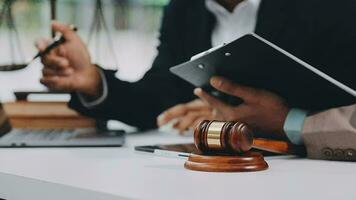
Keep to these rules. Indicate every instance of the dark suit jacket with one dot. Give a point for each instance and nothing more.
(321, 32)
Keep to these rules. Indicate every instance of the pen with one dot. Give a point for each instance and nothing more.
(170, 154)
(57, 40)
(161, 152)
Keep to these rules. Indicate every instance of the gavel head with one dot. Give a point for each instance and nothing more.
(223, 137)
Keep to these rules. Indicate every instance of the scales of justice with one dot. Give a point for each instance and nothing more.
(7, 20)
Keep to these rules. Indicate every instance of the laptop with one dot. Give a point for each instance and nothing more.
(78, 137)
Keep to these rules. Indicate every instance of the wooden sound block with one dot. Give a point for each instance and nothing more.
(248, 162)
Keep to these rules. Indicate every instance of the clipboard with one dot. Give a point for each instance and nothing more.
(253, 61)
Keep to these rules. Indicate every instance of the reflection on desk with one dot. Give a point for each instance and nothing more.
(36, 189)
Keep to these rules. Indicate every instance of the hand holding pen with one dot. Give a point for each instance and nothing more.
(57, 40)
(67, 63)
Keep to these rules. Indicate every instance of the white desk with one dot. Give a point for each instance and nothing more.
(117, 173)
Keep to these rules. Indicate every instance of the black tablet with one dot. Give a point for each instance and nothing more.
(253, 61)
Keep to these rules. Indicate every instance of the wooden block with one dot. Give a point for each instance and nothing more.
(47, 115)
(248, 162)
(25, 109)
(51, 123)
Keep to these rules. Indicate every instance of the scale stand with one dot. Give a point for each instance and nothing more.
(98, 24)
(6, 16)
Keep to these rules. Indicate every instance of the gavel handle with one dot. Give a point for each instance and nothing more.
(277, 146)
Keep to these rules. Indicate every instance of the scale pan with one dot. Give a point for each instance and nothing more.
(13, 67)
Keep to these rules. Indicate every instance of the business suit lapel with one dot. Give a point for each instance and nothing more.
(272, 18)
(200, 28)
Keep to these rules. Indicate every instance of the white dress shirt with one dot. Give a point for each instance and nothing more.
(233, 25)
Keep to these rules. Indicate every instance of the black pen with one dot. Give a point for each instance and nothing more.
(57, 40)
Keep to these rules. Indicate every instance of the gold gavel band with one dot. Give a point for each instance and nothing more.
(214, 133)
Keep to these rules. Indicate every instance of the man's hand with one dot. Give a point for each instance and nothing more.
(68, 67)
(188, 115)
(262, 110)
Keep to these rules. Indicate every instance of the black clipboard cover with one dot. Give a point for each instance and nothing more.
(253, 61)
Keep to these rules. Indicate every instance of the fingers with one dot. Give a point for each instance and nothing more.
(61, 51)
(212, 116)
(57, 83)
(213, 102)
(179, 111)
(189, 120)
(198, 120)
(63, 28)
(246, 93)
(46, 72)
(55, 62)
(170, 114)
(66, 31)
(42, 43)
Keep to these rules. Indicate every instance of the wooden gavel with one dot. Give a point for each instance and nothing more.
(211, 137)
(217, 137)
(226, 147)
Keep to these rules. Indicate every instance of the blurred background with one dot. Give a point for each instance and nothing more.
(128, 44)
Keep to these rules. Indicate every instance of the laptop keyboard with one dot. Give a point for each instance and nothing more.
(79, 137)
(40, 135)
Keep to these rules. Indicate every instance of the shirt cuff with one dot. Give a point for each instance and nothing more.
(293, 125)
(90, 103)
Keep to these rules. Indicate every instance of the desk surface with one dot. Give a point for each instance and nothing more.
(122, 172)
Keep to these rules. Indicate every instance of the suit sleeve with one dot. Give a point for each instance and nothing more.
(138, 104)
(331, 135)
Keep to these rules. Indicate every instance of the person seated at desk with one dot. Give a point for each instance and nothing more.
(329, 134)
(317, 31)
